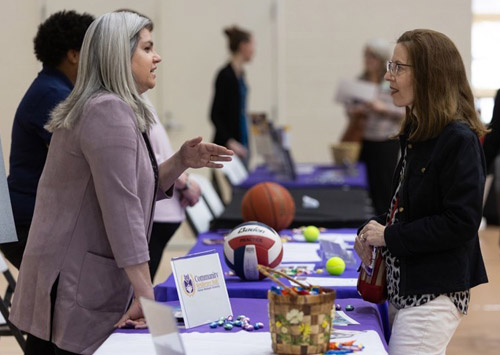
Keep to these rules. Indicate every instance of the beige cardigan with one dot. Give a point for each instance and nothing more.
(92, 218)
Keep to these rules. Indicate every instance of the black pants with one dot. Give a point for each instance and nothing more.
(14, 251)
(381, 159)
(160, 235)
(37, 346)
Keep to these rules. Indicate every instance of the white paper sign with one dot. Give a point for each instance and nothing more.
(201, 288)
(357, 90)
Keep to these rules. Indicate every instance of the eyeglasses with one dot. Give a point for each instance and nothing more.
(394, 68)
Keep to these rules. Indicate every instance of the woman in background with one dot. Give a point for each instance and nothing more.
(375, 123)
(229, 105)
(429, 234)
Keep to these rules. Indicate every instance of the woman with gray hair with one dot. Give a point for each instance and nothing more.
(87, 252)
(374, 124)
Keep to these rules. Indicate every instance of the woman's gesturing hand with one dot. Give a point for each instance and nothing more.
(195, 154)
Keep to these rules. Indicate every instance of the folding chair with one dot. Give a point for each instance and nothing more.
(199, 217)
(208, 192)
(235, 171)
(8, 328)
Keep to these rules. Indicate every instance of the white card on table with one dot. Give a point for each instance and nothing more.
(201, 288)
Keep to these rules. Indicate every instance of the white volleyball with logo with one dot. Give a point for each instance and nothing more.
(249, 244)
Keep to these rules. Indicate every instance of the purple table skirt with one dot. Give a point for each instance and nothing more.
(318, 176)
(257, 309)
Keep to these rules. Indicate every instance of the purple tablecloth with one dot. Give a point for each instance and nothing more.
(311, 176)
(237, 288)
(365, 313)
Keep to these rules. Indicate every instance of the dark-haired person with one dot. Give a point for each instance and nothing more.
(429, 235)
(57, 45)
(228, 112)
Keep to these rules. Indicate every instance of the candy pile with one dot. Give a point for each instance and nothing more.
(241, 321)
(344, 347)
(314, 290)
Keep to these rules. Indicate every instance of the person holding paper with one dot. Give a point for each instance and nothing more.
(429, 235)
(374, 123)
(87, 252)
(228, 113)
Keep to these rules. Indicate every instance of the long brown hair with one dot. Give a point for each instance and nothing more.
(441, 91)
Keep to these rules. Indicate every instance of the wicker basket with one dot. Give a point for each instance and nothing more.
(300, 324)
(345, 153)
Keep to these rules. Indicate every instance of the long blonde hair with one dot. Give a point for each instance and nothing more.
(105, 66)
(442, 92)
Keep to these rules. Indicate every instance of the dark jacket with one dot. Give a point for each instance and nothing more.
(491, 145)
(440, 208)
(30, 140)
(225, 113)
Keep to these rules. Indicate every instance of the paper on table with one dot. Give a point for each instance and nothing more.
(242, 343)
(329, 281)
(127, 344)
(369, 339)
(308, 267)
(350, 237)
(302, 252)
(343, 319)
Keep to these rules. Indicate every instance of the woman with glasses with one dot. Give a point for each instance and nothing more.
(429, 234)
(375, 123)
(87, 252)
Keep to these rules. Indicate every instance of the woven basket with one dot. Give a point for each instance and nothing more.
(300, 324)
(345, 153)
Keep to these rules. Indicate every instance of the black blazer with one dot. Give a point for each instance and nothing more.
(440, 208)
(491, 145)
(225, 113)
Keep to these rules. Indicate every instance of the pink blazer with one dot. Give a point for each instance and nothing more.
(92, 218)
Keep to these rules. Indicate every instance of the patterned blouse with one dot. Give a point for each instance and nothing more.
(460, 298)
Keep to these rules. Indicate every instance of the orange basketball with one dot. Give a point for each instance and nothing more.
(268, 203)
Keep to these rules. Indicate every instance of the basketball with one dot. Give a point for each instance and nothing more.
(250, 244)
(268, 203)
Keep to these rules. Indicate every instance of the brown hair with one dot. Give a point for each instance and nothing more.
(235, 36)
(441, 91)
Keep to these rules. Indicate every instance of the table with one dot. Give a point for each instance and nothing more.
(338, 208)
(237, 288)
(365, 313)
(313, 176)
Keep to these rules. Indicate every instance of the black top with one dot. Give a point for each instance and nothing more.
(440, 209)
(225, 113)
(30, 140)
(491, 145)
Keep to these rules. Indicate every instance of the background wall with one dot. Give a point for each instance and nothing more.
(303, 49)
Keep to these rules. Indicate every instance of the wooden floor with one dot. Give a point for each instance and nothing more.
(479, 332)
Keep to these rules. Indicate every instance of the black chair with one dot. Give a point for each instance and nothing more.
(9, 329)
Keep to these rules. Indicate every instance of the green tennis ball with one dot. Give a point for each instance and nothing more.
(311, 233)
(335, 266)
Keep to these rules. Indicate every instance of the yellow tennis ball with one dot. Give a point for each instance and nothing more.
(311, 233)
(335, 266)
